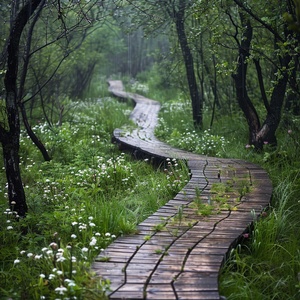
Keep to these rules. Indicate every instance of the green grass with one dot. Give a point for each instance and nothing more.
(268, 265)
(79, 202)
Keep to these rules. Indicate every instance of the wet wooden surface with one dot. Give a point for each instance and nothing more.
(182, 260)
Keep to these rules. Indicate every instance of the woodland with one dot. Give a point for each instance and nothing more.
(227, 76)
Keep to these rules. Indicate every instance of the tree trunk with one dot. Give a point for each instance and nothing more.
(270, 125)
(292, 102)
(16, 194)
(241, 86)
(10, 133)
(197, 102)
(32, 135)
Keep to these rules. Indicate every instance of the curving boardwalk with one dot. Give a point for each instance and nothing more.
(182, 259)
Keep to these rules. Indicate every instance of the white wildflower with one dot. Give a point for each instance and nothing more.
(61, 290)
(93, 241)
(61, 259)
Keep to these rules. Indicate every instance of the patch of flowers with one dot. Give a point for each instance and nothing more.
(139, 87)
(175, 127)
(175, 177)
(59, 269)
(203, 143)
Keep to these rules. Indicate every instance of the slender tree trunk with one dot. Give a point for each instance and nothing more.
(261, 84)
(267, 131)
(241, 86)
(32, 135)
(197, 102)
(10, 133)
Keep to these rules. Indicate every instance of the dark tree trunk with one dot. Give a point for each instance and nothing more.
(197, 102)
(16, 194)
(32, 135)
(10, 134)
(258, 135)
(261, 84)
(265, 133)
(215, 92)
(270, 125)
(241, 86)
(292, 102)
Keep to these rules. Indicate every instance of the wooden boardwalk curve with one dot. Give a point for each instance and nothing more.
(181, 260)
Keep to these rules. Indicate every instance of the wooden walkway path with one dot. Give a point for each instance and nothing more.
(181, 260)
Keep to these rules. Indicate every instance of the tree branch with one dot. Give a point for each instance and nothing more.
(261, 84)
(255, 17)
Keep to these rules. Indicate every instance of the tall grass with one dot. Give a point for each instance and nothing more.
(268, 265)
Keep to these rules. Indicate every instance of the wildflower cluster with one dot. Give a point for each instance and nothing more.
(181, 133)
(56, 270)
(205, 143)
(138, 87)
(104, 174)
(174, 175)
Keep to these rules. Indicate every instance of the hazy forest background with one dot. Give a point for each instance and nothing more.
(227, 75)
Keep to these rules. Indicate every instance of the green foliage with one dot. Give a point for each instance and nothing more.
(291, 20)
(176, 128)
(79, 202)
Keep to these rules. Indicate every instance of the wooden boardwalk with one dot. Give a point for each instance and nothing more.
(177, 252)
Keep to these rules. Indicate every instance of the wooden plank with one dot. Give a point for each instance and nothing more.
(209, 295)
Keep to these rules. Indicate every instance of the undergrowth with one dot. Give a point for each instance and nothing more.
(79, 202)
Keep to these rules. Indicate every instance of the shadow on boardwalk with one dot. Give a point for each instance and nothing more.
(181, 261)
